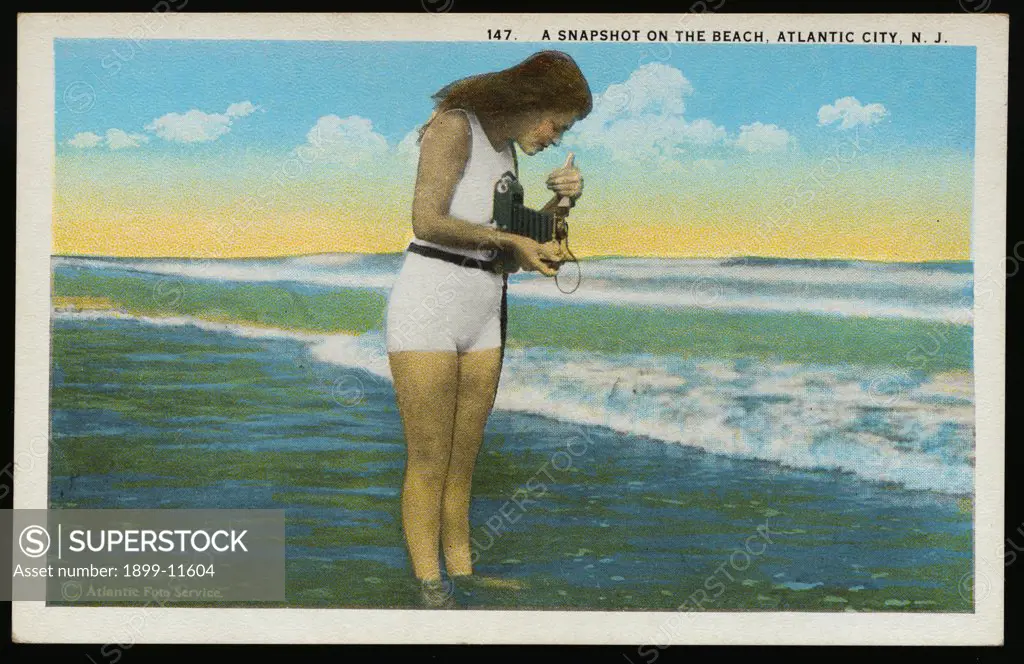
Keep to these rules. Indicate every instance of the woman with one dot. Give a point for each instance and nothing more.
(445, 318)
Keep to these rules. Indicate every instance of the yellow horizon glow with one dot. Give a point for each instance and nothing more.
(918, 209)
(220, 236)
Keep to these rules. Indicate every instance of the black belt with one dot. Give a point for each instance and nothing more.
(457, 259)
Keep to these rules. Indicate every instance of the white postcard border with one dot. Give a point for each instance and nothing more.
(34, 622)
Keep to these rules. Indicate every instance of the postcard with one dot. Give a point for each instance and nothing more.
(610, 328)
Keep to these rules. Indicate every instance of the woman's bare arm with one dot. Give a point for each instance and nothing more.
(444, 152)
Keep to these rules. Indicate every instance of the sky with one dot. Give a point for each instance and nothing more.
(263, 148)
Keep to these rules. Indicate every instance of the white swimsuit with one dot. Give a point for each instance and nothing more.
(439, 305)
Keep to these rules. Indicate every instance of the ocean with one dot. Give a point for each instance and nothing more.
(672, 410)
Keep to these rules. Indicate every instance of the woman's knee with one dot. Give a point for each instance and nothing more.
(428, 459)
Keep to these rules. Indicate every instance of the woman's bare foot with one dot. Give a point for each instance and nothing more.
(437, 594)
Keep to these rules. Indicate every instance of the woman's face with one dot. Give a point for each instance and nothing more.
(544, 129)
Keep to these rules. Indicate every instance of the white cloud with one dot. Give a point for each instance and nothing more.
(703, 132)
(849, 113)
(191, 127)
(353, 141)
(115, 139)
(85, 139)
(643, 116)
(118, 139)
(759, 137)
(654, 89)
(240, 109)
(408, 149)
(196, 126)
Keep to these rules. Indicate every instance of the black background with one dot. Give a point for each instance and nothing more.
(137, 653)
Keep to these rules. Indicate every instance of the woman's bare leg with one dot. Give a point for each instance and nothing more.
(426, 384)
(478, 374)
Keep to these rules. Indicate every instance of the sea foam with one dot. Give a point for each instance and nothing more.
(885, 425)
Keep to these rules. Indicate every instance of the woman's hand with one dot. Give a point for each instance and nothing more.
(566, 181)
(544, 258)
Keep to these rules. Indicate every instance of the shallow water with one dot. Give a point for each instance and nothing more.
(582, 515)
(890, 399)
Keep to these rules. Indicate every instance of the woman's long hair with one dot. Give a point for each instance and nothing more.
(545, 81)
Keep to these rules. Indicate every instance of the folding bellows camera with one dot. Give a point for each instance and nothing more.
(512, 216)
